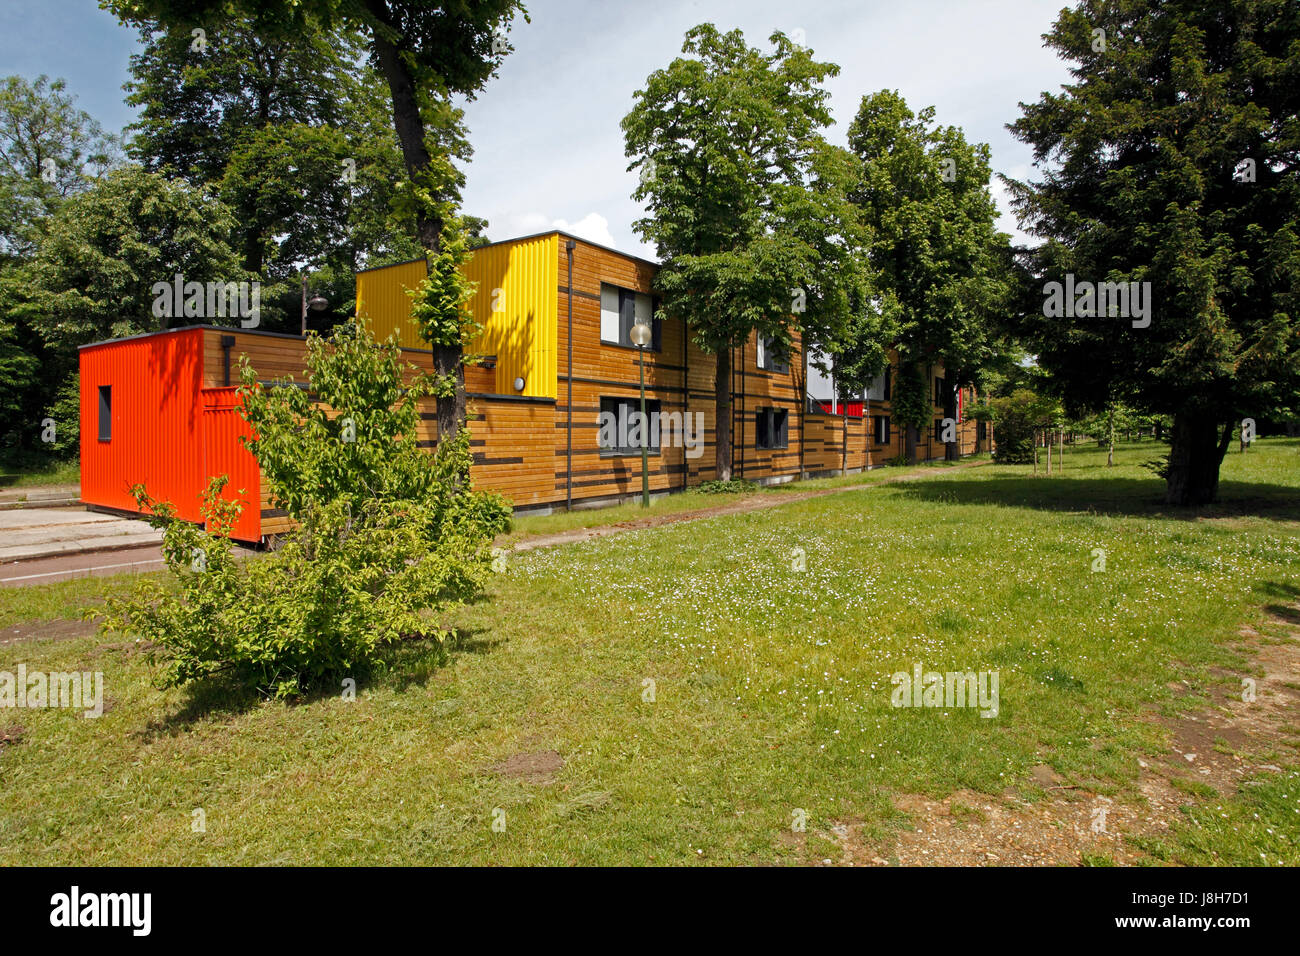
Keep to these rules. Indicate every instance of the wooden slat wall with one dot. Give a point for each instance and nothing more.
(520, 446)
(601, 370)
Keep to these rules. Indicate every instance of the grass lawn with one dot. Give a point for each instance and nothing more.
(683, 694)
(528, 526)
(59, 473)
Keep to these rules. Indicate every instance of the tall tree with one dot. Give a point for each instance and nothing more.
(93, 275)
(845, 319)
(292, 133)
(1170, 162)
(722, 136)
(427, 53)
(924, 192)
(49, 150)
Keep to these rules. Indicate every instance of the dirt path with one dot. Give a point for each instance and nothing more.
(746, 503)
(1072, 822)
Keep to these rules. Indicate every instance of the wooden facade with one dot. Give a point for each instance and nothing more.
(553, 356)
(679, 378)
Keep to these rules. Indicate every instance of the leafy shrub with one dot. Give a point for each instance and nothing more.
(732, 487)
(1015, 418)
(389, 537)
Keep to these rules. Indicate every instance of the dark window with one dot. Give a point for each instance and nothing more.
(773, 428)
(888, 377)
(980, 432)
(106, 413)
(939, 392)
(938, 430)
(620, 429)
(773, 357)
(620, 309)
(882, 429)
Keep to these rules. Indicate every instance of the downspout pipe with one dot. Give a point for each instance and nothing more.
(569, 246)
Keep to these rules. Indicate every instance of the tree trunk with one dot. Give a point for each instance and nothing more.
(1035, 444)
(1110, 449)
(408, 123)
(722, 414)
(909, 444)
(1047, 443)
(951, 449)
(1195, 453)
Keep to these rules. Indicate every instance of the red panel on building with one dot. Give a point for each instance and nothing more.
(146, 419)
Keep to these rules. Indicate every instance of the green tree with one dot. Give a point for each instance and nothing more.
(1170, 161)
(292, 133)
(388, 541)
(49, 150)
(1017, 418)
(924, 193)
(427, 53)
(723, 137)
(846, 322)
(93, 274)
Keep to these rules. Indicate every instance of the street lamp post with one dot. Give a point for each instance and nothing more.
(316, 303)
(641, 337)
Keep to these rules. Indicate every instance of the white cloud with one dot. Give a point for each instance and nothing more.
(593, 227)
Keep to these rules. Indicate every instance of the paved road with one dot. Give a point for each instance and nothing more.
(61, 567)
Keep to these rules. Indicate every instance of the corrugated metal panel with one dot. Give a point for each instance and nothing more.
(383, 302)
(515, 303)
(225, 454)
(155, 437)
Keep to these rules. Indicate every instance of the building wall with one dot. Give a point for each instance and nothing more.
(156, 436)
(513, 303)
(602, 370)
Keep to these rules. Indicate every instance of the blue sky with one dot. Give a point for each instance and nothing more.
(548, 149)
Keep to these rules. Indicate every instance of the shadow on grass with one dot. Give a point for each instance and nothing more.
(1141, 497)
(412, 662)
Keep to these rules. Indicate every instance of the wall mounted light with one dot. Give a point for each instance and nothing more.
(519, 384)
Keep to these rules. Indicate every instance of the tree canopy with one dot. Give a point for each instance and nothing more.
(724, 138)
(1167, 167)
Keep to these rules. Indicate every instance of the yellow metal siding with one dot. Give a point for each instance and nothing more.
(382, 300)
(517, 279)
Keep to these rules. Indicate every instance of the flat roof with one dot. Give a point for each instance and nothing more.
(534, 235)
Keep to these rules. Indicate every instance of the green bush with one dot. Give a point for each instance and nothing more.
(1015, 417)
(389, 537)
(735, 486)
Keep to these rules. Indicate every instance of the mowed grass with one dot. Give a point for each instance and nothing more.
(532, 525)
(702, 690)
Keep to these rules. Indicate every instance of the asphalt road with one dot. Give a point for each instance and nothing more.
(61, 567)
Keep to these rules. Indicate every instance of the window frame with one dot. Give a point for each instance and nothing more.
(765, 421)
(627, 300)
(881, 424)
(653, 409)
(766, 357)
(105, 421)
